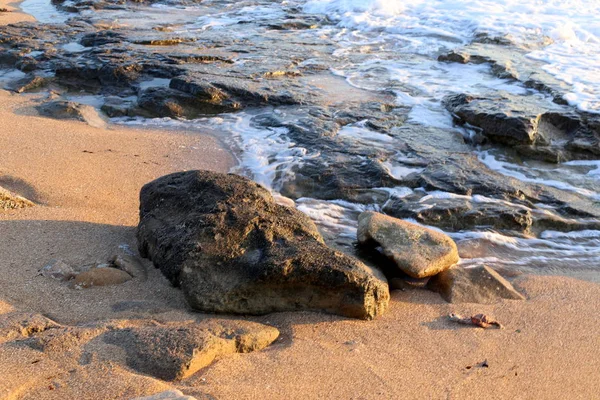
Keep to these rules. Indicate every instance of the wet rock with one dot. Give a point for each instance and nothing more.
(456, 213)
(102, 38)
(130, 264)
(59, 270)
(165, 102)
(61, 109)
(473, 285)
(12, 201)
(552, 133)
(104, 276)
(118, 107)
(173, 353)
(417, 251)
(517, 126)
(232, 249)
(30, 83)
(236, 93)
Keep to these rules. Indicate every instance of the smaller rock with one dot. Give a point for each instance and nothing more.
(173, 394)
(11, 201)
(100, 277)
(130, 264)
(59, 270)
(60, 109)
(417, 251)
(480, 285)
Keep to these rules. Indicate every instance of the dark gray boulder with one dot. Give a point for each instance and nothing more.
(537, 129)
(232, 249)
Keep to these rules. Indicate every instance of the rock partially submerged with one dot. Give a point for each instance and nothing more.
(233, 249)
(548, 132)
(473, 285)
(417, 251)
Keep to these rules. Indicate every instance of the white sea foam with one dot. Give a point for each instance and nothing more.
(44, 11)
(521, 173)
(428, 26)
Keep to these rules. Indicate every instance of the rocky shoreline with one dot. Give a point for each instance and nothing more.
(290, 296)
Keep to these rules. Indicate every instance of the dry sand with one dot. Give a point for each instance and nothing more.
(86, 183)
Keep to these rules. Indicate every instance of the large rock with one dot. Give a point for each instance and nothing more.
(232, 249)
(417, 251)
(473, 285)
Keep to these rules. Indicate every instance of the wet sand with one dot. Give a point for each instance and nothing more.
(86, 181)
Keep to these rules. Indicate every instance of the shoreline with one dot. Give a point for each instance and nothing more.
(86, 182)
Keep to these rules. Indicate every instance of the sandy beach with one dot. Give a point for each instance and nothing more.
(85, 182)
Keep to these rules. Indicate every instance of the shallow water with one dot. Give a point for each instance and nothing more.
(389, 46)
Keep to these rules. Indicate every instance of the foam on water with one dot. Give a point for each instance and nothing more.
(430, 26)
(532, 175)
(44, 11)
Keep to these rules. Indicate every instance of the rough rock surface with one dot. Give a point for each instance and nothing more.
(417, 251)
(10, 200)
(473, 285)
(232, 249)
(175, 352)
(552, 133)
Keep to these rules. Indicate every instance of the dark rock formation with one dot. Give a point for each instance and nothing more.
(232, 249)
(553, 133)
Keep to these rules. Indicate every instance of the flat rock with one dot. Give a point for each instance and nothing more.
(233, 249)
(101, 277)
(11, 201)
(176, 352)
(417, 251)
(538, 129)
(473, 285)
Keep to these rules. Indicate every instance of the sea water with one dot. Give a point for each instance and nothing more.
(403, 39)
